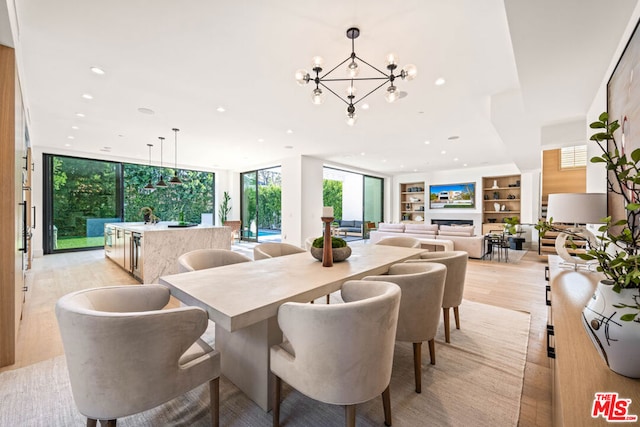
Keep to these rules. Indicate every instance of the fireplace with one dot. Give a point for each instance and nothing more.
(452, 221)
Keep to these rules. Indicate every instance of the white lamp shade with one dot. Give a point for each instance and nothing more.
(577, 208)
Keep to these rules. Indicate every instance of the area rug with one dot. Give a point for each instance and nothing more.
(476, 381)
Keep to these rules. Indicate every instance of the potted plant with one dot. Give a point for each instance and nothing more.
(611, 315)
(149, 217)
(340, 249)
(225, 207)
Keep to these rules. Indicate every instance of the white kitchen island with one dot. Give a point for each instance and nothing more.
(149, 251)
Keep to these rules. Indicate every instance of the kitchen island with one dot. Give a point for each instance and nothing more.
(149, 251)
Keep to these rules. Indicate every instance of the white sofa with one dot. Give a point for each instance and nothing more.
(462, 236)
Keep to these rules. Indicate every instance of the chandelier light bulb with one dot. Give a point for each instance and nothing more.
(352, 69)
(351, 118)
(392, 94)
(302, 77)
(317, 97)
(409, 72)
(391, 59)
(317, 62)
(351, 91)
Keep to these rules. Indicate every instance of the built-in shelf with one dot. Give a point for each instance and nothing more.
(412, 202)
(504, 190)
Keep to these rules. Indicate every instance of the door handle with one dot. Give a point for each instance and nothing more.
(551, 351)
(34, 217)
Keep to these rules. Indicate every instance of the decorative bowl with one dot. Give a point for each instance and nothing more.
(339, 254)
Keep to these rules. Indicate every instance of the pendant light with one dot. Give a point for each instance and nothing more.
(149, 187)
(161, 183)
(175, 180)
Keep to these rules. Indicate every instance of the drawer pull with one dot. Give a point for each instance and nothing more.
(551, 351)
(546, 273)
(547, 295)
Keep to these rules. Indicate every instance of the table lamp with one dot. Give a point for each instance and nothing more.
(576, 209)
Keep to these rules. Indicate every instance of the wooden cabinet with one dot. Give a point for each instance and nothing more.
(500, 198)
(579, 372)
(412, 202)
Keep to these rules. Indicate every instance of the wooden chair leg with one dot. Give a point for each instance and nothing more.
(447, 327)
(91, 422)
(327, 298)
(214, 393)
(108, 423)
(275, 411)
(432, 350)
(350, 415)
(417, 365)
(386, 403)
(456, 315)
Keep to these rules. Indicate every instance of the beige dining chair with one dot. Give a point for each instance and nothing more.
(126, 355)
(405, 242)
(422, 286)
(200, 259)
(274, 249)
(339, 354)
(456, 262)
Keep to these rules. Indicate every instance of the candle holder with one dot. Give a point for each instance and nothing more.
(327, 251)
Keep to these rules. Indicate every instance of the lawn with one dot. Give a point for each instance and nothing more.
(79, 242)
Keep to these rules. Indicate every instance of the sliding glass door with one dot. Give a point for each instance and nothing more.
(81, 195)
(262, 205)
(372, 203)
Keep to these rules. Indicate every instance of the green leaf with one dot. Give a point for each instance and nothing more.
(603, 117)
(597, 125)
(598, 160)
(632, 206)
(628, 317)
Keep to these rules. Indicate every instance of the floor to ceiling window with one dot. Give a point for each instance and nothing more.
(261, 205)
(81, 195)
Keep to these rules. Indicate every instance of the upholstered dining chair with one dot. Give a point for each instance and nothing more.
(200, 259)
(274, 249)
(422, 286)
(405, 242)
(126, 355)
(339, 354)
(456, 262)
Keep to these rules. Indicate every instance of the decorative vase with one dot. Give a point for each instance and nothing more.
(617, 341)
(339, 254)
(496, 206)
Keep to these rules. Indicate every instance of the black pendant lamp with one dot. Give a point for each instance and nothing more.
(161, 183)
(149, 187)
(175, 180)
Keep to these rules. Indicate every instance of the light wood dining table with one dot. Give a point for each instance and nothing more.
(243, 300)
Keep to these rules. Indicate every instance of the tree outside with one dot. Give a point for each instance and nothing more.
(332, 196)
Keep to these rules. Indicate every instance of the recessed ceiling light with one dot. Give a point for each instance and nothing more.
(443, 152)
(67, 145)
(220, 110)
(427, 142)
(362, 154)
(79, 115)
(384, 160)
(75, 127)
(365, 106)
(288, 147)
(465, 165)
(71, 137)
(260, 140)
(455, 159)
(415, 170)
(289, 131)
(144, 110)
(401, 166)
(97, 70)
(439, 81)
(87, 96)
(453, 137)
(106, 149)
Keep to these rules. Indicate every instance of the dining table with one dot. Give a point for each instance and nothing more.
(243, 300)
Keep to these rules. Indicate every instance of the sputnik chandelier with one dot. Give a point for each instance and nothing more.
(353, 69)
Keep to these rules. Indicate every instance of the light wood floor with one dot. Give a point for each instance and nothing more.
(518, 286)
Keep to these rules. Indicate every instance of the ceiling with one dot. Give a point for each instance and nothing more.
(511, 69)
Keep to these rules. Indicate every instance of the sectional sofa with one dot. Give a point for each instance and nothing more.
(462, 236)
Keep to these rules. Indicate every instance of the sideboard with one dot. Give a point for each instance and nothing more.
(579, 372)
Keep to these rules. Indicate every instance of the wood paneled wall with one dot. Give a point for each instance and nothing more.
(556, 180)
(8, 240)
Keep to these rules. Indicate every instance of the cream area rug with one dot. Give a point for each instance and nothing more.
(477, 381)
